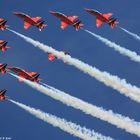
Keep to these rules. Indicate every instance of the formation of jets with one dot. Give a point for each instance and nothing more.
(65, 20)
(40, 24)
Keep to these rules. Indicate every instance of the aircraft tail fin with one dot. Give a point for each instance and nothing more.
(40, 25)
(77, 24)
(36, 79)
(112, 22)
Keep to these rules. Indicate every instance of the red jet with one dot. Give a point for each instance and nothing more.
(3, 68)
(3, 25)
(68, 20)
(28, 21)
(51, 57)
(3, 46)
(32, 76)
(100, 18)
(2, 95)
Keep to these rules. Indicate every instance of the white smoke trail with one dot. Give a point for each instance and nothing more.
(115, 82)
(132, 34)
(118, 120)
(131, 54)
(69, 127)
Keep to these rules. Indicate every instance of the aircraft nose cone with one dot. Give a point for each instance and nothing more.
(52, 12)
(9, 67)
(87, 9)
(15, 13)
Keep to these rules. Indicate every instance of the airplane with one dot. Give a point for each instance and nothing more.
(68, 20)
(3, 25)
(32, 76)
(3, 46)
(51, 57)
(3, 68)
(2, 95)
(28, 21)
(100, 18)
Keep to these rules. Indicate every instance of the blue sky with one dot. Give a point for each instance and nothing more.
(18, 124)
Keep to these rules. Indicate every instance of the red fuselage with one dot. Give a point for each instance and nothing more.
(25, 18)
(62, 17)
(32, 76)
(97, 14)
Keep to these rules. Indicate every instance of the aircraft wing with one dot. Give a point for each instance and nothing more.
(1, 41)
(108, 15)
(99, 22)
(51, 57)
(63, 25)
(32, 73)
(36, 18)
(1, 19)
(26, 25)
(72, 18)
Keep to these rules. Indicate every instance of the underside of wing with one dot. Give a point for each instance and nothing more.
(99, 22)
(36, 19)
(31, 73)
(63, 25)
(108, 15)
(72, 18)
(26, 25)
